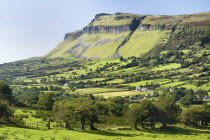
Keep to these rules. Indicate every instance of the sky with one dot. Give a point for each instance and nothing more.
(32, 28)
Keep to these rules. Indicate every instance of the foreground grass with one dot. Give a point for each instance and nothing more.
(178, 133)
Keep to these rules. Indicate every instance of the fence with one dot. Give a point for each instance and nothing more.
(44, 124)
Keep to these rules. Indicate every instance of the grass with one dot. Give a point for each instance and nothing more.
(60, 49)
(200, 19)
(189, 86)
(173, 84)
(184, 51)
(121, 93)
(96, 90)
(162, 19)
(109, 20)
(104, 50)
(116, 81)
(166, 67)
(143, 83)
(143, 41)
(176, 133)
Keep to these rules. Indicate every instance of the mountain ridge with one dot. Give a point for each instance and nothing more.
(124, 34)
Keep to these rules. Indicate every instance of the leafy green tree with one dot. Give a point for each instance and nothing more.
(169, 110)
(148, 112)
(65, 111)
(5, 110)
(196, 115)
(5, 91)
(81, 110)
(93, 117)
(144, 114)
(186, 100)
(46, 101)
(133, 115)
(121, 58)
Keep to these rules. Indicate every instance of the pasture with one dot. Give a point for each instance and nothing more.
(177, 133)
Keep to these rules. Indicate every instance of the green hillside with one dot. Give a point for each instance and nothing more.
(142, 42)
(123, 34)
(120, 73)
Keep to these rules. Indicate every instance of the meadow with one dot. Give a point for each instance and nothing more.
(10, 132)
(121, 93)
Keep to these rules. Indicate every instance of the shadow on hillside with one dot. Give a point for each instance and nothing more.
(107, 133)
(4, 124)
(179, 131)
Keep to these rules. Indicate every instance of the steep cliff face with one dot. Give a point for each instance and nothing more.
(123, 34)
(152, 23)
(73, 35)
(113, 24)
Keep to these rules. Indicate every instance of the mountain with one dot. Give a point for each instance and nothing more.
(124, 34)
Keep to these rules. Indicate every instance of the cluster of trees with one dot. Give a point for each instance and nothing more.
(147, 113)
(84, 110)
(188, 97)
(198, 115)
(6, 100)
(89, 110)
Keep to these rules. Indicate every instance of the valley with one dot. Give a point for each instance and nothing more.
(124, 76)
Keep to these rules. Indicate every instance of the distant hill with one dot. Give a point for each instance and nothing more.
(123, 34)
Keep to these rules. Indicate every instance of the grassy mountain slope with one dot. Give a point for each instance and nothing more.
(143, 41)
(122, 34)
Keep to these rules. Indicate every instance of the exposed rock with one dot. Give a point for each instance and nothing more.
(122, 17)
(101, 14)
(118, 13)
(112, 29)
(187, 28)
(149, 27)
(106, 29)
(73, 35)
(103, 41)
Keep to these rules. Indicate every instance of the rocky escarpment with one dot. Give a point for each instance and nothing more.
(73, 35)
(106, 29)
(133, 23)
(123, 34)
(152, 22)
(150, 27)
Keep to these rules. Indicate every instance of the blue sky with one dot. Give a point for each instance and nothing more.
(30, 28)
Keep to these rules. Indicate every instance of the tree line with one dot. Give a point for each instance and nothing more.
(90, 110)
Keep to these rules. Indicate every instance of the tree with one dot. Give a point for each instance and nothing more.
(5, 91)
(121, 58)
(143, 114)
(93, 117)
(148, 112)
(65, 111)
(168, 110)
(81, 110)
(196, 115)
(5, 110)
(46, 101)
(186, 100)
(133, 115)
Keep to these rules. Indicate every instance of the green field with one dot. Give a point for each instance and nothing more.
(95, 90)
(178, 133)
(165, 67)
(121, 93)
(116, 81)
(173, 84)
(145, 82)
